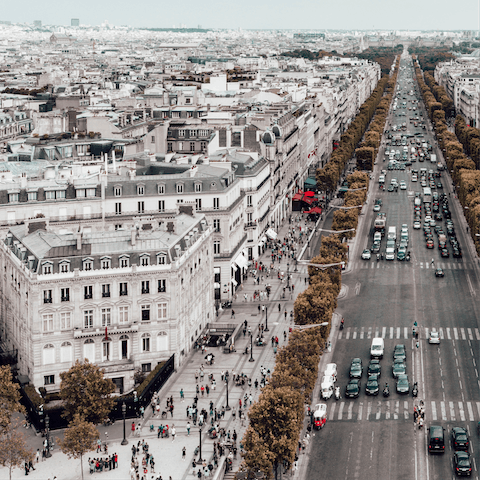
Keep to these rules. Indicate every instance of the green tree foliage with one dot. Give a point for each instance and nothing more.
(9, 397)
(13, 448)
(384, 56)
(85, 391)
(429, 57)
(80, 437)
(365, 158)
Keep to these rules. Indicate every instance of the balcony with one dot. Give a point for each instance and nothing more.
(145, 291)
(66, 299)
(106, 294)
(47, 300)
(250, 225)
(88, 296)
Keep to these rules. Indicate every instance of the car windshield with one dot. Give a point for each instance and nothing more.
(463, 461)
(372, 382)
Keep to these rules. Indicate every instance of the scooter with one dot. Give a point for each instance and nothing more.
(386, 391)
(342, 324)
(337, 393)
(415, 390)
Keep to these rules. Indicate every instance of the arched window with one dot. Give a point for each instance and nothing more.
(162, 341)
(66, 352)
(48, 354)
(89, 350)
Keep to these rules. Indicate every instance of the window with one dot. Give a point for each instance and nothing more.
(180, 188)
(140, 189)
(88, 318)
(162, 341)
(161, 311)
(47, 321)
(203, 146)
(47, 296)
(65, 320)
(216, 247)
(89, 350)
(106, 263)
(106, 290)
(169, 147)
(106, 316)
(181, 133)
(146, 367)
(118, 209)
(88, 264)
(80, 192)
(216, 203)
(198, 204)
(203, 133)
(32, 195)
(162, 286)
(12, 197)
(124, 262)
(60, 194)
(216, 224)
(192, 146)
(146, 342)
(249, 218)
(49, 380)
(66, 352)
(249, 201)
(198, 187)
(141, 207)
(47, 268)
(65, 294)
(161, 189)
(161, 205)
(90, 192)
(145, 286)
(117, 191)
(88, 292)
(145, 312)
(152, 139)
(48, 354)
(64, 267)
(106, 350)
(123, 289)
(123, 314)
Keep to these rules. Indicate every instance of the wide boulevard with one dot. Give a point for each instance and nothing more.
(372, 437)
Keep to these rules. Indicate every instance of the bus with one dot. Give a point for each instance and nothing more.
(427, 195)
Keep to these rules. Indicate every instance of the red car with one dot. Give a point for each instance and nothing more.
(430, 244)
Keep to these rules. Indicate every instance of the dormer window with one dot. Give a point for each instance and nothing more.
(140, 189)
(161, 259)
(64, 266)
(117, 190)
(106, 263)
(198, 187)
(124, 261)
(87, 264)
(161, 189)
(47, 268)
(144, 259)
(179, 187)
(13, 197)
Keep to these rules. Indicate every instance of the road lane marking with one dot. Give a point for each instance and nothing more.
(349, 411)
(396, 409)
(449, 336)
(362, 333)
(354, 336)
(462, 332)
(477, 333)
(452, 411)
(426, 332)
(406, 410)
(442, 334)
(398, 332)
(471, 416)
(405, 333)
(369, 332)
(462, 411)
(332, 411)
(360, 411)
(434, 411)
(384, 332)
(391, 332)
(478, 408)
(444, 411)
(455, 333)
(340, 410)
(379, 410)
(387, 410)
(470, 335)
(347, 334)
(369, 410)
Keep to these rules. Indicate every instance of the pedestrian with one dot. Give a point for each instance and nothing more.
(279, 308)
(173, 432)
(188, 429)
(37, 455)
(233, 313)
(182, 395)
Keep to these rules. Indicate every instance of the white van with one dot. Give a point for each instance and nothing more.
(331, 371)
(327, 387)
(377, 348)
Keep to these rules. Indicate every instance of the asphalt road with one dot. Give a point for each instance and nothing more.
(375, 437)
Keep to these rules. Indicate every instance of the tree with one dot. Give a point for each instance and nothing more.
(80, 437)
(9, 397)
(13, 448)
(84, 390)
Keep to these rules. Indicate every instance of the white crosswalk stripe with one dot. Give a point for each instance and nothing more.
(391, 333)
(379, 409)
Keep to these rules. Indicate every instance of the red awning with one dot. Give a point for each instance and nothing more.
(317, 210)
(309, 194)
(297, 197)
(309, 200)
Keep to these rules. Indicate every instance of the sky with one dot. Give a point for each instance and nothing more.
(254, 14)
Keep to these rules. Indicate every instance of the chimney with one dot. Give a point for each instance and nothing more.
(23, 180)
(79, 240)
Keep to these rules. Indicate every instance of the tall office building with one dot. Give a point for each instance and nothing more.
(75, 22)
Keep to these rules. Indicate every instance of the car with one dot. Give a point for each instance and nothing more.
(366, 254)
(457, 253)
(434, 338)
(444, 253)
(372, 387)
(390, 188)
(462, 463)
(399, 351)
(438, 217)
(439, 272)
(398, 369)
(374, 368)
(430, 244)
(403, 385)
(403, 186)
(352, 390)
(417, 225)
(414, 178)
(439, 185)
(375, 247)
(356, 370)
(376, 208)
(459, 438)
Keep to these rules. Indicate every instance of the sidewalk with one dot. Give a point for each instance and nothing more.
(168, 453)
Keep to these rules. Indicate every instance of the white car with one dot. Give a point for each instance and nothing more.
(376, 208)
(417, 225)
(366, 254)
(414, 178)
(403, 186)
(434, 337)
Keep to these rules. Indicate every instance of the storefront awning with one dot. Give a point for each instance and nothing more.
(309, 200)
(264, 239)
(216, 285)
(241, 261)
(271, 233)
(297, 197)
(235, 283)
(316, 210)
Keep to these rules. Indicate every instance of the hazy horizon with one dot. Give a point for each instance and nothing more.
(253, 15)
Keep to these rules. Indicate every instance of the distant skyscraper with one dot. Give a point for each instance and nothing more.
(37, 23)
(75, 22)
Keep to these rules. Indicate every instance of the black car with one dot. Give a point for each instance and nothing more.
(457, 253)
(444, 253)
(399, 352)
(439, 272)
(459, 438)
(375, 248)
(372, 387)
(356, 368)
(374, 368)
(403, 385)
(462, 464)
(352, 390)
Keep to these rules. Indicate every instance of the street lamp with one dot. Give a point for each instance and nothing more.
(47, 435)
(251, 359)
(226, 383)
(200, 460)
(124, 411)
(266, 319)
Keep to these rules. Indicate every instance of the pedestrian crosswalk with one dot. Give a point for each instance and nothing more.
(386, 409)
(455, 264)
(445, 333)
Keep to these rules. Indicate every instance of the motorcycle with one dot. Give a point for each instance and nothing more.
(407, 258)
(386, 391)
(337, 393)
(342, 324)
(378, 257)
(415, 390)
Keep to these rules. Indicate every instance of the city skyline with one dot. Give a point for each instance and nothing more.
(369, 15)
